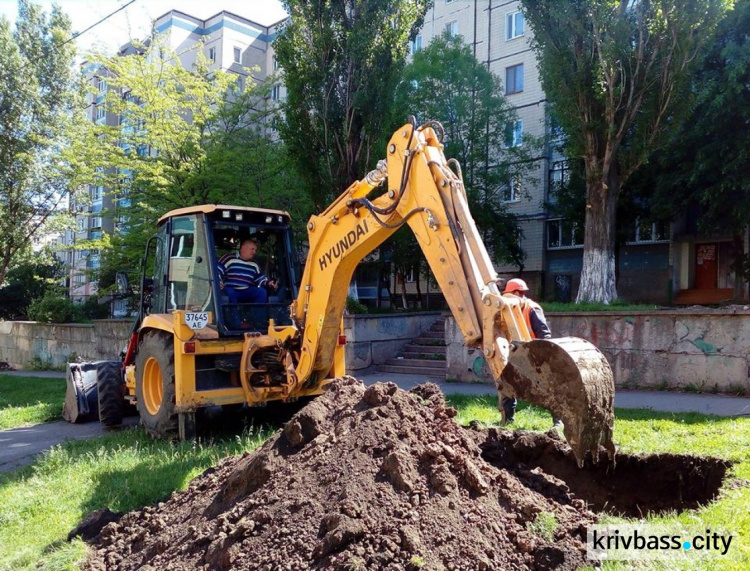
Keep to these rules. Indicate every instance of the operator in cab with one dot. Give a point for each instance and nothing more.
(536, 323)
(240, 277)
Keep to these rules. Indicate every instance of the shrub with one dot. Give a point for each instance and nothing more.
(354, 306)
(54, 308)
(92, 309)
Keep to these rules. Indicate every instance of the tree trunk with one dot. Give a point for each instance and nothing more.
(740, 270)
(418, 302)
(598, 273)
(403, 291)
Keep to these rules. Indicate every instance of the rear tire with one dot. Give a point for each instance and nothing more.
(110, 387)
(155, 384)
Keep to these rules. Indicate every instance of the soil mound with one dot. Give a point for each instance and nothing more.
(361, 478)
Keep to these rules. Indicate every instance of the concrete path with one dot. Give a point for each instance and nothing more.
(19, 446)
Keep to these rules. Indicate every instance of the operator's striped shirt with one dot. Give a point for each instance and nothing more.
(240, 274)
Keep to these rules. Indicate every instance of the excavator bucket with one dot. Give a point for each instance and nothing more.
(571, 378)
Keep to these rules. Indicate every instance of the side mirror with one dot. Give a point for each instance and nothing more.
(121, 279)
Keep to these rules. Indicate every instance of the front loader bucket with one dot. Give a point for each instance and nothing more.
(95, 391)
(81, 399)
(571, 378)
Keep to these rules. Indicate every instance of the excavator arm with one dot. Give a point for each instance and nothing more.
(569, 376)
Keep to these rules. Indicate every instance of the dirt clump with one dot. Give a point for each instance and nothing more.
(361, 478)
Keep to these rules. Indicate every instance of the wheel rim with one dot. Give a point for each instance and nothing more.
(152, 385)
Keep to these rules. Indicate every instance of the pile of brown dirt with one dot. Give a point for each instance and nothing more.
(361, 478)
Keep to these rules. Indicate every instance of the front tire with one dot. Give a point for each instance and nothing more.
(110, 388)
(155, 384)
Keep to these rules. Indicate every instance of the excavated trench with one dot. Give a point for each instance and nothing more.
(632, 486)
(378, 478)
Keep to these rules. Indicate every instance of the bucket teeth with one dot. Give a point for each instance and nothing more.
(571, 378)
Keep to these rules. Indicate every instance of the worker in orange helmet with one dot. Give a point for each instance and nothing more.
(536, 323)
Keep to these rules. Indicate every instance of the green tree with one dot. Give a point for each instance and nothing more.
(186, 137)
(37, 102)
(705, 167)
(28, 280)
(445, 82)
(341, 61)
(617, 75)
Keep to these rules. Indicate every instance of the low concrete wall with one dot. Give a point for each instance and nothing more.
(27, 344)
(698, 348)
(371, 340)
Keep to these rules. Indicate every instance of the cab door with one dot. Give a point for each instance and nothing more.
(188, 283)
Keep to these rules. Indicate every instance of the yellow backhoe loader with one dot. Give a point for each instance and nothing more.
(191, 347)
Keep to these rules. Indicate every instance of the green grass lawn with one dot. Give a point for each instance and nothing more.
(617, 305)
(41, 503)
(30, 400)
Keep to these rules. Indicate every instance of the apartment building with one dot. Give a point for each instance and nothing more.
(498, 36)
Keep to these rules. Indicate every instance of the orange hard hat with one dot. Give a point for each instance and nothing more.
(515, 285)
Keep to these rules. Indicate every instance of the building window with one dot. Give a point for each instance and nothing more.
(276, 92)
(514, 134)
(237, 55)
(563, 234)
(452, 28)
(212, 54)
(96, 222)
(275, 63)
(101, 111)
(415, 45)
(514, 79)
(559, 177)
(514, 25)
(648, 231)
(101, 84)
(511, 191)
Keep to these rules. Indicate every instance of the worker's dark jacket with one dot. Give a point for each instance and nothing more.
(535, 320)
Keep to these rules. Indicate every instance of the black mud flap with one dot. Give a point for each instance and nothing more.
(81, 399)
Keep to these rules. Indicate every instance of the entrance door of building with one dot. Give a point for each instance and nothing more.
(706, 266)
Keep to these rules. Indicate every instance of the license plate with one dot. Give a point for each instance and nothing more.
(197, 320)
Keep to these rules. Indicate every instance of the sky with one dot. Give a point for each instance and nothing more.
(134, 21)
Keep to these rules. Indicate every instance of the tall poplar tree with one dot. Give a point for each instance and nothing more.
(616, 73)
(341, 60)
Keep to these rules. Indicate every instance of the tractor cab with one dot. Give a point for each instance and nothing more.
(187, 249)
